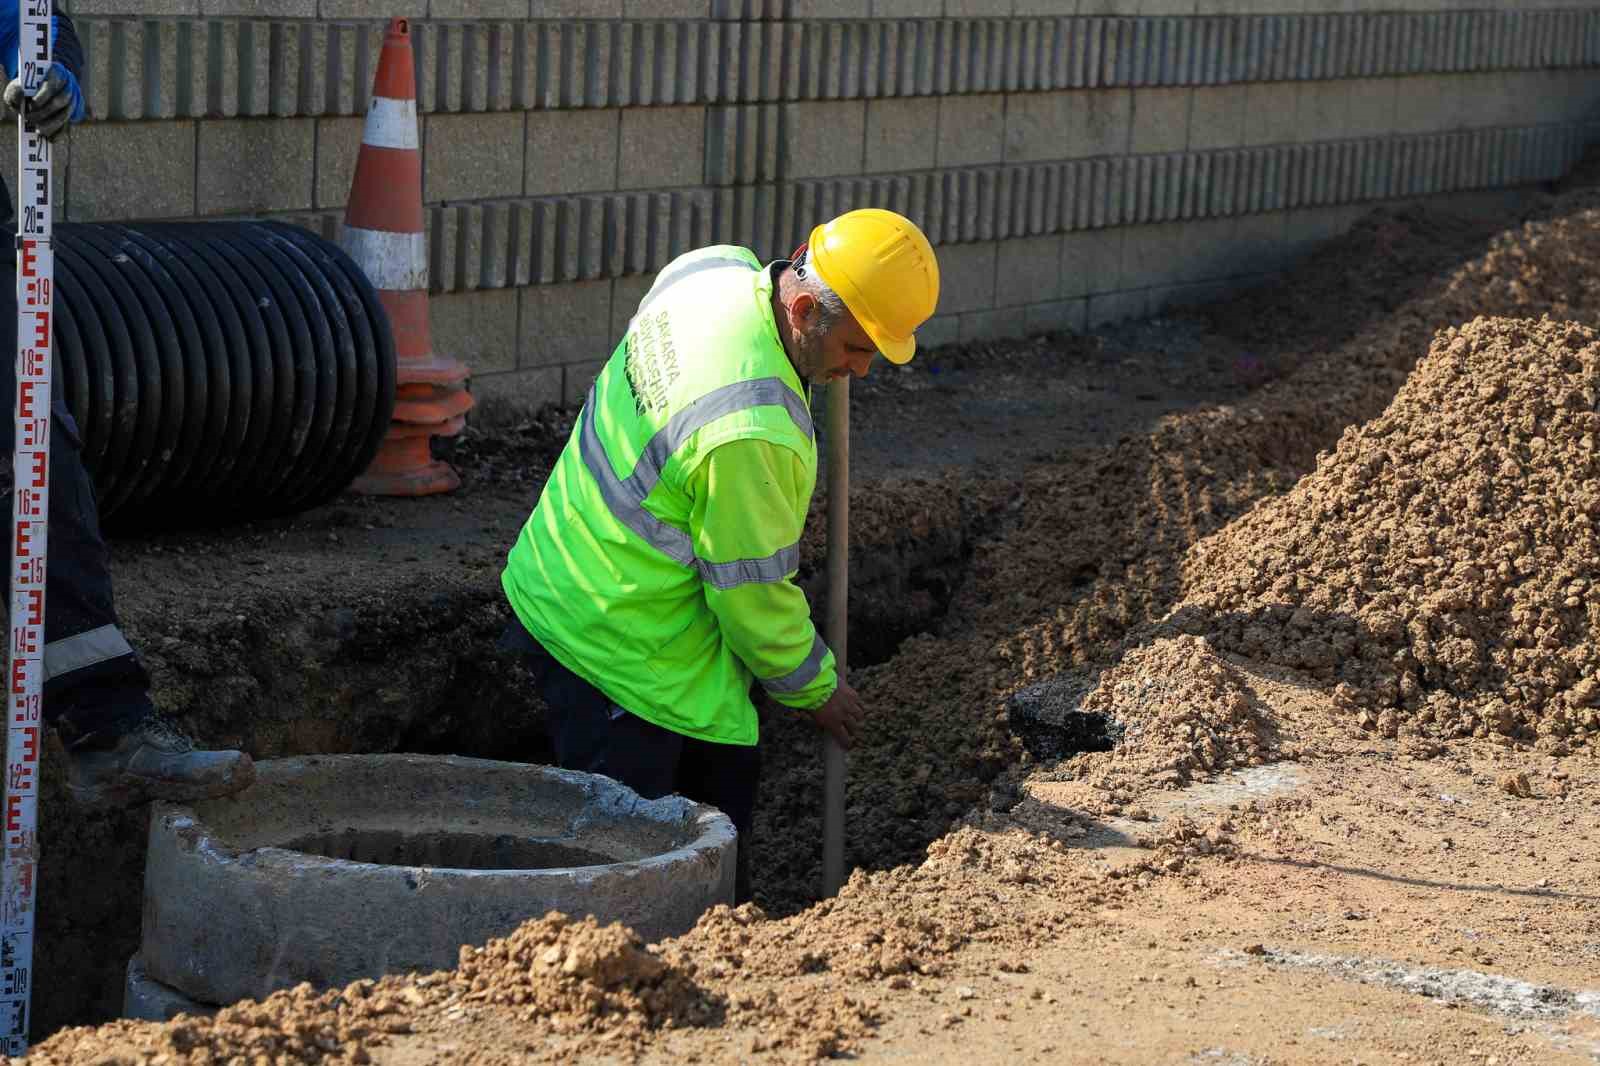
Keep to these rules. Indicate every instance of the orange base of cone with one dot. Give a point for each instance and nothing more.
(431, 479)
(433, 371)
(405, 466)
(424, 405)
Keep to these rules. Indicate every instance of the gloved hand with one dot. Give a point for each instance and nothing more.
(51, 107)
(842, 716)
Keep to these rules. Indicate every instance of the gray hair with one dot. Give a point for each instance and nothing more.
(829, 303)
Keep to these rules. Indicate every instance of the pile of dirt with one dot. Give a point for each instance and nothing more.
(571, 977)
(1185, 711)
(1543, 267)
(814, 984)
(1436, 565)
(1096, 555)
(1390, 258)
(297, 1026)
(578, 977)
(1196, 468)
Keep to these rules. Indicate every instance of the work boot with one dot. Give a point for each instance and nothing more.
(154, 760)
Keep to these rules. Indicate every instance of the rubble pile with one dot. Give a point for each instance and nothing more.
(1436, 567)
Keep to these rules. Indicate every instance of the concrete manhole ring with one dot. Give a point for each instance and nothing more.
(145, 997)
(334, 868)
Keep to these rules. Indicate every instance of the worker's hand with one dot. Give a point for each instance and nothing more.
(50, 108)
(842, 715)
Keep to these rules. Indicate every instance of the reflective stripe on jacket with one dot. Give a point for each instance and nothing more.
(658, 564)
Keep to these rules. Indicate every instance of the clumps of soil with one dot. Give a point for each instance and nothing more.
(294, 1026)
(812, 985)
(579, 977)
(1516, 784)
(1545, 265)
(573, 978)
(776, 979)
(1438, 566)
(1187, 713)
(1175, 846)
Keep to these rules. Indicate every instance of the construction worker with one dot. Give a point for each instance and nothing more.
(96, 692)
(653, 582)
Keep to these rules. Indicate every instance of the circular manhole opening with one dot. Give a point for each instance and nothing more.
(446, 850)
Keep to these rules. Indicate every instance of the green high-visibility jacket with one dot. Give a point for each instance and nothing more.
(658, 564)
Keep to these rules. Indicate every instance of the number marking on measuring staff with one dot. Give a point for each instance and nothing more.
(30, 511)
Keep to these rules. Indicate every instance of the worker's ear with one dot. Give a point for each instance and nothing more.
(801, 309)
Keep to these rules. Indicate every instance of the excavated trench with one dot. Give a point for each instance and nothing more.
(461, 697)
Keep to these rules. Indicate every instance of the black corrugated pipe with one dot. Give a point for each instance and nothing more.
(219, 371)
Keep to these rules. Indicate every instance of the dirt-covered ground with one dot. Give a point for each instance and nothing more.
(1326, 567)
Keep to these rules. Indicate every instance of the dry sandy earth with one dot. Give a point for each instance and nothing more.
(1372, 908)
(1351, 813)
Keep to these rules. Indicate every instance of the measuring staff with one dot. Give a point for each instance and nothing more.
(29, 521)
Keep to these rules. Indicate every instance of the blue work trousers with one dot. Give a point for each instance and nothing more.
(593, 735)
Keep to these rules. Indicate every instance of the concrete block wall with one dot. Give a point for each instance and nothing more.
(1075, 161)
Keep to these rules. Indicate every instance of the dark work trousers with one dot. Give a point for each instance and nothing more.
(593, 735)
(95, 685)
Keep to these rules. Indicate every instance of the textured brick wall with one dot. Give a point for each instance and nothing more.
(1075, 161)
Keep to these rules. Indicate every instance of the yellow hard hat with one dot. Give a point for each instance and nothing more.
(884, 270)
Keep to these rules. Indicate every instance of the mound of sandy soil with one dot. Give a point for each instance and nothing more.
(1437, 564)
(294, 1026)
(1544, 266)
(573, 977)
(1186, 713)
(578, 977)
(1248, 589)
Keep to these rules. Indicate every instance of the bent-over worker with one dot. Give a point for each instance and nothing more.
(654, 579)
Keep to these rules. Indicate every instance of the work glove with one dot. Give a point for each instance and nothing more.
(842, 716)
(51, 107)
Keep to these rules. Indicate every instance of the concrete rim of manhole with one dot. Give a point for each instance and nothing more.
(335, 867)
(209, 821)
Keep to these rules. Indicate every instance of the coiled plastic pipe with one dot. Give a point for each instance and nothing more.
(218, 371)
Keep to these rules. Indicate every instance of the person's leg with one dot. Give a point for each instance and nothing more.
(727, 777)
(96, 691)
(591, 734)
(94, 683)
(95, 686)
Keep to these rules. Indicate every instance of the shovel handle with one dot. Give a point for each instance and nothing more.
(833, 872)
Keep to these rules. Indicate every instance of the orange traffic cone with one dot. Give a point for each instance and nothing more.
(383, 234)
